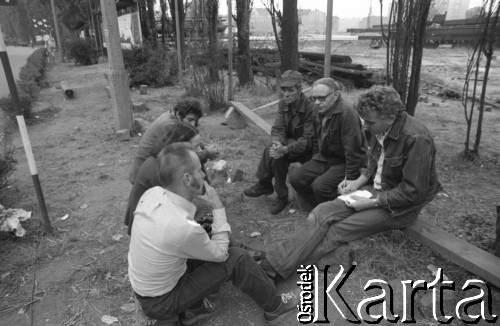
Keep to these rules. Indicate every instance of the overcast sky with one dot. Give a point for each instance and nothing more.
(341, 8)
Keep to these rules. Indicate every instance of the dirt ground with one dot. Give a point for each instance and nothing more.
(79, 274)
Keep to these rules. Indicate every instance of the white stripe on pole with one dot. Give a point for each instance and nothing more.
(2, 44)
(27, 144)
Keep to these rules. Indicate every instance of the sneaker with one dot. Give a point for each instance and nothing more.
(278, 205)
(191, 316)
(289, 302)
(259, 189)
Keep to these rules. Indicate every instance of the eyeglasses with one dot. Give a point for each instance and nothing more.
(320, 98)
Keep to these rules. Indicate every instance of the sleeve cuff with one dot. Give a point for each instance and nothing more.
(220, 222)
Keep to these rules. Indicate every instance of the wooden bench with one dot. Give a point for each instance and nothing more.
(454, 249)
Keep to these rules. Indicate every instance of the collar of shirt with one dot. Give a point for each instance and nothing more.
(181, 202)
(381, 137)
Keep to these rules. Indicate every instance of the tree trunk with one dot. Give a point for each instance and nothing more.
(212, 13)
(244, 70)
(276, 20)
(290, 36)
(163, 6)
(144, 21)
(488, 53)
(418, 48)
(182, 16)
(410, 18)
(152, 23)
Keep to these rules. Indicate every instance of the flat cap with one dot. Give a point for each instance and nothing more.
(291, 78)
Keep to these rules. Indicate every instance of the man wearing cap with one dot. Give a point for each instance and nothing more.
(290, 141)
(338, 147)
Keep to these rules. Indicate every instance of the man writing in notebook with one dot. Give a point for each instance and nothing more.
(400, 175)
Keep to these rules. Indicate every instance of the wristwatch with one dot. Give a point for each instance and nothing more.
(376, 202)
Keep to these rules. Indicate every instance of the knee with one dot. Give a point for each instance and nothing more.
(321, 189)
(238, 254)
(296, 179)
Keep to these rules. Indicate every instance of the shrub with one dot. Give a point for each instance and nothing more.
(27, 87)
(7, 160)
(155, 67)
(81, 51)
(205, 84)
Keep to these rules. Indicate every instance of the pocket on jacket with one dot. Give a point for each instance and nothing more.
(394, 168)
(299, 131)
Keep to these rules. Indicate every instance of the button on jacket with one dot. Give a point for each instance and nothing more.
(409, 179)
(339, 138)
(294, 122)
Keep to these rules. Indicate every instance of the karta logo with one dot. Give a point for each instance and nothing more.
(310, 310)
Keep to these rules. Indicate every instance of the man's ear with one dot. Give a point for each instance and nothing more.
(186, 179)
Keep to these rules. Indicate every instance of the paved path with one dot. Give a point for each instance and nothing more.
(17, 57)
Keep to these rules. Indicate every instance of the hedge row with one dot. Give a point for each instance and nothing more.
(28, 85)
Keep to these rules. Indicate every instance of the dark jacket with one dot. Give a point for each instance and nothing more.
(341, 141)
(409, 178)
(293, 125)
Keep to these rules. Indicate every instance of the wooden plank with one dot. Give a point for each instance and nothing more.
(277, 101)
(252, 116)
(456, 250)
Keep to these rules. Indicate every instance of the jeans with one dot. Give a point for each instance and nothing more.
(277, 168)
(207, 278)
(316, 182)
(329, 226)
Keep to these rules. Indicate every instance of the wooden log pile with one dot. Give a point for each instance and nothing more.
(311, 66)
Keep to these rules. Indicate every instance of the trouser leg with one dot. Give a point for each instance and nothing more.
(325, 186)
(301, 180)
(329, 226)
(207, 278)
(280, 172)
(265, 170)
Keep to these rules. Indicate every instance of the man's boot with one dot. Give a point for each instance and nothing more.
(259, 189)
(278, 205)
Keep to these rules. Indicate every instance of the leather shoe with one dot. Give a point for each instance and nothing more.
(278, 205)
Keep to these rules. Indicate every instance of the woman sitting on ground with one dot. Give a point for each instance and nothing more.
(147, 177)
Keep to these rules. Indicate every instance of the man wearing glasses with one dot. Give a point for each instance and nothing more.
(338, 147)
(290, 142)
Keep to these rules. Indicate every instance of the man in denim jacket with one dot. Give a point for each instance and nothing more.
(400, 175)
(290, 139)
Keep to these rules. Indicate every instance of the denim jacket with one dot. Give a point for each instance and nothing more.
(293, 125)
(409, 178)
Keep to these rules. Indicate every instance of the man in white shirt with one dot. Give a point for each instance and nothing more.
(166, 235)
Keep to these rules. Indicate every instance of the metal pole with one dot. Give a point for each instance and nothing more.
(328, 38)
(24, 135)
(178, 37)
(60, 48)
(230, 49)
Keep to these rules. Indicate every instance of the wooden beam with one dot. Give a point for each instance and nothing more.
(250, 115)
(277, 101)
(456, 250)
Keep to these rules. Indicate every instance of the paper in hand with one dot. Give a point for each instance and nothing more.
(361, 193)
